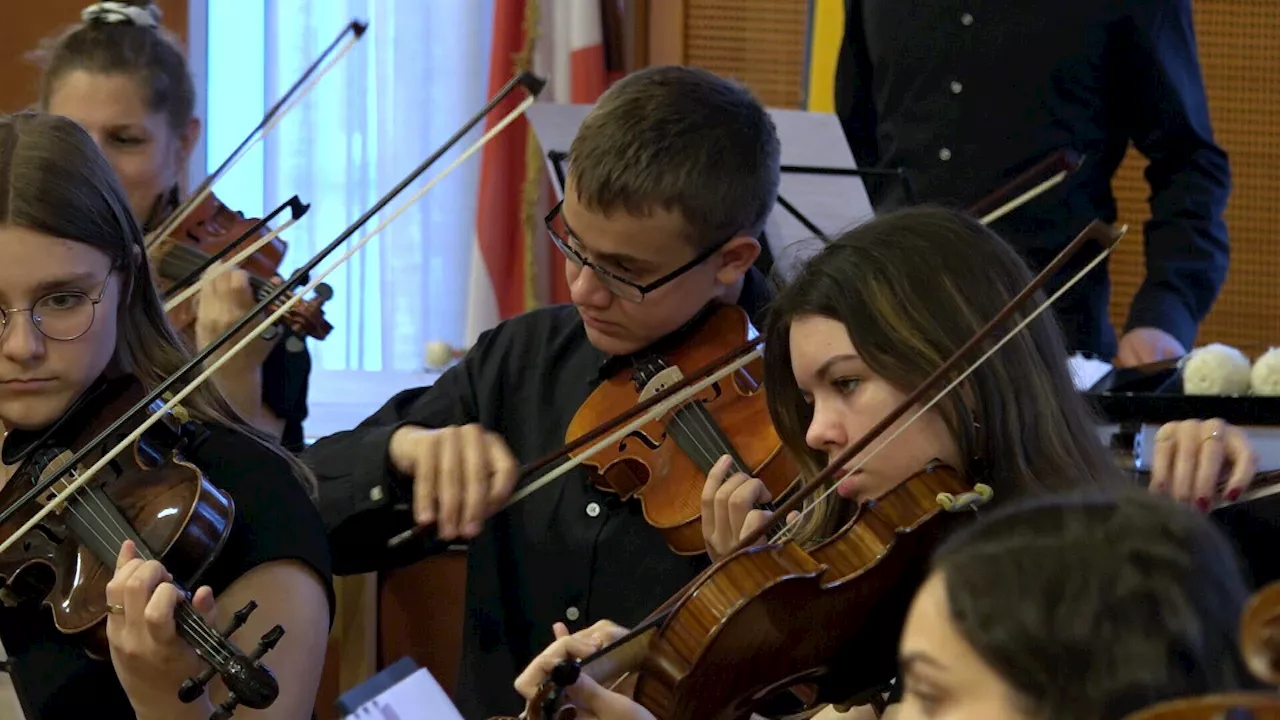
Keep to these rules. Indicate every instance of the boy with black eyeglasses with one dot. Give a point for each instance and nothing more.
(671, 178)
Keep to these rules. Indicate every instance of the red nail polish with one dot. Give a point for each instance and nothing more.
(1233, 494)
(1203, 504)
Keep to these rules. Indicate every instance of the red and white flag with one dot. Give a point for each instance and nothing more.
(514, 267)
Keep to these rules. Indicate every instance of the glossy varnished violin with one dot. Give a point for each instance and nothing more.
(820, 622)
(210, 232)
(665, 462)
(151, 495)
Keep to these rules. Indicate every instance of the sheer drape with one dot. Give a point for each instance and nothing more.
(417, 75)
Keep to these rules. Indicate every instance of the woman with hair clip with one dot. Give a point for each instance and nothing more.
(863, 324)
(79, 309)
(124, 79)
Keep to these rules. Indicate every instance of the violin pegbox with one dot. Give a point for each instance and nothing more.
(980, 496)
(249, 696)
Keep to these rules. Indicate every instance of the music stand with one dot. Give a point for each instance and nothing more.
(821, 192)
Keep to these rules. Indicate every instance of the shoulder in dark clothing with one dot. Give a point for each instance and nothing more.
(286, 375)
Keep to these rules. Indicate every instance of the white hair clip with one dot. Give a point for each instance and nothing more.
(122, 12)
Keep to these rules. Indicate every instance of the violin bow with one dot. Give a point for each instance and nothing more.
(532, 84)
(1041, 177)
(272, 117)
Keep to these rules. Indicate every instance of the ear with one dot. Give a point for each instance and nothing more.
(736, 258)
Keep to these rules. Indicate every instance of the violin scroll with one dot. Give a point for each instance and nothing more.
(248, 683)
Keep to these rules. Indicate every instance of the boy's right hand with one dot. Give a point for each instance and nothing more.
(461, 475)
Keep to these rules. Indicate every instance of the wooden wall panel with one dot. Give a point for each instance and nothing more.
(1239, 44)
(761, 43)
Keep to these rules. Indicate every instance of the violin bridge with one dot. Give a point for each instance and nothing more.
(661, 381)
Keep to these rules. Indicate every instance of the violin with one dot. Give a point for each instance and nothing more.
(206, 233)
(824, 622)
(153, 496)
(1260, 648)
(665, 462)
(628, 470)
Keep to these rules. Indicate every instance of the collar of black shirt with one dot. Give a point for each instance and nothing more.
(755, 296)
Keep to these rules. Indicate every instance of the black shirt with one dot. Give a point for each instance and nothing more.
(285, 375)
(568, 552)
(275, 519)
(966, 94)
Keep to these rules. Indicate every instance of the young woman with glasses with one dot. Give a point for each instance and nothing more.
(80, 313)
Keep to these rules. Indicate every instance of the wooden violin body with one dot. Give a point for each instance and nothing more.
(168, 501)
(664, 464)
(209, 228)
(152, 496)
(823, 618)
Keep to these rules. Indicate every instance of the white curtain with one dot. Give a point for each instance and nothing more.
(411, 82)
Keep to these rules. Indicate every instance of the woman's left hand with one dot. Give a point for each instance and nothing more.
(1195, 460)
(222, 301)
(150, 659)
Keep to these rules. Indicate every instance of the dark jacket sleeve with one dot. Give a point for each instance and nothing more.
(363, 500)
(855, 104)
(1186, 238)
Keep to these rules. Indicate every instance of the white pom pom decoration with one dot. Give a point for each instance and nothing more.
(439, 354)
(1265, 378)
(1216, 369)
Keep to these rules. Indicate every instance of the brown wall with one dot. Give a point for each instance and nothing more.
(29, 21)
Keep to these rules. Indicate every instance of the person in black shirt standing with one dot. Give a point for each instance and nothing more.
(964, 95)
(670, 180)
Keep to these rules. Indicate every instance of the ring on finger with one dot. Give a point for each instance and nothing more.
(1211, 436)
(115, 609)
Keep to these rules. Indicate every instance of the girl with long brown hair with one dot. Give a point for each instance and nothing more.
(864, 323)
(79, 309)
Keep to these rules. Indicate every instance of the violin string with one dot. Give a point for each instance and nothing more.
(808, 507)
(107, 531)
(251, 336)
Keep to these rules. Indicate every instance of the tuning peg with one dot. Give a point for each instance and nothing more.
(440, 354)
(193, 688)
(265, 645)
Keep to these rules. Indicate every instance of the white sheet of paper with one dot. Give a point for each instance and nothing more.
(417, 697)
(833, 203)
(1087, 371)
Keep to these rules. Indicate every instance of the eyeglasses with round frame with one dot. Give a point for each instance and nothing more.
(64, 315)
(620, 286)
